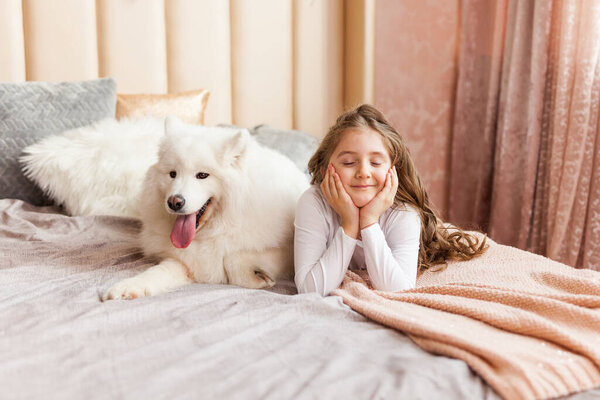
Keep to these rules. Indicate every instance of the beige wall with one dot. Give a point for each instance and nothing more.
(415, 79)
(276, 62)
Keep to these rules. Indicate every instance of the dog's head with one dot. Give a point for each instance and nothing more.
(192, 172)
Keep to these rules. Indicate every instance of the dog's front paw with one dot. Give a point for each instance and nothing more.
(128, 289)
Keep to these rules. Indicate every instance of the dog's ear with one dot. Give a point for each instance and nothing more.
(235, 147)
(172, 124)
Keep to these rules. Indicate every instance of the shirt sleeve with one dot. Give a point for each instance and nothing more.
(319, 266)
(392, 258)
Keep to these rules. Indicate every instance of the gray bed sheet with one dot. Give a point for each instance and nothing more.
(59, 341)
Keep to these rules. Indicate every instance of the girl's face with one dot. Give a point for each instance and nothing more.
(362, 162)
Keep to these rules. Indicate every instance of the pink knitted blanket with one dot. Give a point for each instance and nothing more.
(528, 325)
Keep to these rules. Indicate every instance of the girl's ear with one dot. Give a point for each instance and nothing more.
(235, 147)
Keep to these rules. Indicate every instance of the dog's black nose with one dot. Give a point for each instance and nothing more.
(176, 202)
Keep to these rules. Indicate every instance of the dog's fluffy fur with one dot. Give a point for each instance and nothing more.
(243, 235)
(96, 169)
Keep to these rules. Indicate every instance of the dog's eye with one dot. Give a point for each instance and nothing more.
(172, 174)
(201, 175)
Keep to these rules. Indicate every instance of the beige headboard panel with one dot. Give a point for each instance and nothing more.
(280, 62)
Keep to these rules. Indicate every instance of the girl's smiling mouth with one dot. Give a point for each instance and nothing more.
(361, 186)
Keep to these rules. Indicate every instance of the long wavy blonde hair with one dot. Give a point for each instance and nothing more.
(439, 242)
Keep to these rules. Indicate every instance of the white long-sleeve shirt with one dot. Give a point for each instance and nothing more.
(389, 250)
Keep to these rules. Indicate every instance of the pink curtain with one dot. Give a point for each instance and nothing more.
(525, 164)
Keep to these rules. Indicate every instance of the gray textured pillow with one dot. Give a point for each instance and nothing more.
(30, 111)
(298, 146)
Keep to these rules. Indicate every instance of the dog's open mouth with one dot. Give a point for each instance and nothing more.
(186, 226)
(201, 212)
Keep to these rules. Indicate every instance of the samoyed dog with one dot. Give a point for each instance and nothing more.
(217, 207)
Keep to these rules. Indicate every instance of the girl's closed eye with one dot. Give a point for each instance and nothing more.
(377, 161)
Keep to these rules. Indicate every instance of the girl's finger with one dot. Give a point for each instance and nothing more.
(338, 185)
(325, 185)
(394, 188)
(390, 188)
(389, 185)
(388, 181)
(389, 178)
(395, 180)
(332, 188)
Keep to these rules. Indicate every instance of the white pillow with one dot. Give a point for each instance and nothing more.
(91, 170)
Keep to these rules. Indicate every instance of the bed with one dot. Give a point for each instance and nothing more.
(203, 341)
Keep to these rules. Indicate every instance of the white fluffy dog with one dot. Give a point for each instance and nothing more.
(217, 207)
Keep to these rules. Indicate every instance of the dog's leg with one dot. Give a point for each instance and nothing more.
(257, 270)
(167, 275)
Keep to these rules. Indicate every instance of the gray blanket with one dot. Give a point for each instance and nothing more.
(58, 340)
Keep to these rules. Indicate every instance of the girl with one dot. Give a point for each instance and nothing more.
(367, 209)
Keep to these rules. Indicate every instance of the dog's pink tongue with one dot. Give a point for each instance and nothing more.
(183, 231)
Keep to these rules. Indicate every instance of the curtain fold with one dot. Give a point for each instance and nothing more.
(525, 152)
(519, 127)
(476, 112)
(574, 144)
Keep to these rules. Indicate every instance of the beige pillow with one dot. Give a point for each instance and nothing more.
(189, 106)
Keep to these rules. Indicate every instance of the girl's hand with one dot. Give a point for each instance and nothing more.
(370, 213)
(340, 201)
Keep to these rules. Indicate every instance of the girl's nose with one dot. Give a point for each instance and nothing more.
(363, 170)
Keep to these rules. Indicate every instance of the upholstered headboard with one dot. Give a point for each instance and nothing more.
(287, 63)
